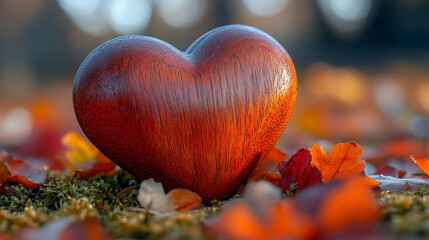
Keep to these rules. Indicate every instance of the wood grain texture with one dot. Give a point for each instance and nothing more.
(200, 119)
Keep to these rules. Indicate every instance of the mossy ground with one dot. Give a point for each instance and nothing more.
(405, 212)
(66, 196)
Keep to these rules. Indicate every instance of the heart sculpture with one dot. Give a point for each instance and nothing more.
(200, 119)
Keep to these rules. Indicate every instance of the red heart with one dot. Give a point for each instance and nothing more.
(200, 119)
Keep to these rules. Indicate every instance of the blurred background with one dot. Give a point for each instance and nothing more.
(363, 65)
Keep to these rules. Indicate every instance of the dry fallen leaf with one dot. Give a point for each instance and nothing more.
(343, 161)
(347, 205)
(83, 159)
(400, 184)
(20, 172)
(422, 163)
(261, 215)
(340, 207)
(79, 151)
(151, 196)
(25, 182)
(239, 222)
(369, 182)
(388, 170)
(267, 168)
(103, 166)
(299, 170)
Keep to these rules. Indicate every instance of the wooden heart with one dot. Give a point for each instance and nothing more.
(200, 119)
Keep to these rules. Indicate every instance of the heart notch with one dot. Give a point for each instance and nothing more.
(200, 119)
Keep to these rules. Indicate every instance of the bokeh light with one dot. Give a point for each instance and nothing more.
(15, 126)
(122, 16)
(129, 16)
(265, 8)
(181, 13)
(86, 14)
(346, 16)
(350, 10)
(389, 96)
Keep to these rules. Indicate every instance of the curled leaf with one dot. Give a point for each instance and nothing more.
(343, 161)
(369, 182)
(20, 172)
(24, 182)
(103, 166)
(79, 151)
(400, 184)
(422, 163)
(151, 196)
(267, 168)
(83, 159)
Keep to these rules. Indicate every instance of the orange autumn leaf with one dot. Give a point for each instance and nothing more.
(151, 196)
(283, 222)
(261, 215)
(267, 168)
(348, 205)
(24, 182)
(422, 163)
(369, 182)
(343, 161)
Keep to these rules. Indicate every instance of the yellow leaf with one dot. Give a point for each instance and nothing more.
(79, 151)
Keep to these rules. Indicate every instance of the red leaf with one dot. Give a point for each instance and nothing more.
(24, 182)
(23, 173)
(4, 173)
(299, 170)
(388, 170)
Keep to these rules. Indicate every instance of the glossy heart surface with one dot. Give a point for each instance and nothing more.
(200, 119)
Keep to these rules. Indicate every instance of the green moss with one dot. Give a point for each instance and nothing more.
(66, 196)
(406, 212)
